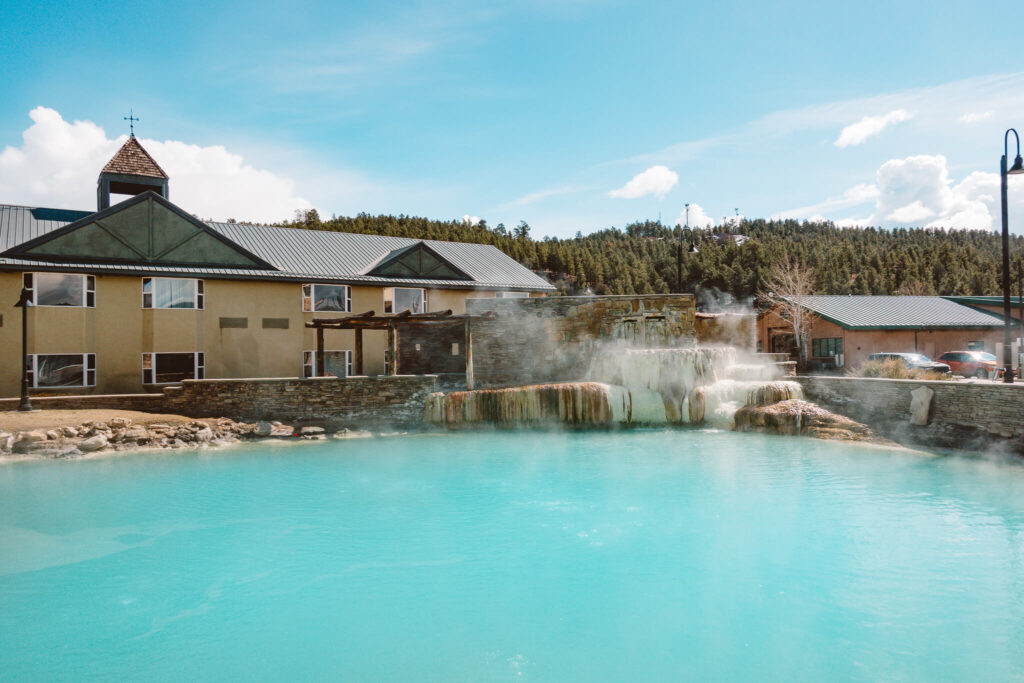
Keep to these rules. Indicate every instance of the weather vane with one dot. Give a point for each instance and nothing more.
(131, 121)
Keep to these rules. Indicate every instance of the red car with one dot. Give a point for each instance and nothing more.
(970, 363)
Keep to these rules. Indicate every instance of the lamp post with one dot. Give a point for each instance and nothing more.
(679, 254)
(1017, 168)
(24, 301)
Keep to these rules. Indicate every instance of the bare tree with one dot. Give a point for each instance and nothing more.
(787, 287)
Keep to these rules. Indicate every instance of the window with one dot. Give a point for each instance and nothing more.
(511, 295)
(827, 348)
(61, 370)
(61, 289)
(975, 346)
(336, 363)
(399, 299)
(169, 292)
(166, 368)
(326, 298)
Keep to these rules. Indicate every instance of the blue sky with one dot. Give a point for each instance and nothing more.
(571, 115)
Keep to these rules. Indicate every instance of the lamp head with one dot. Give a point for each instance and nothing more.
(1017, 168)
(693, 249)
(25, 300)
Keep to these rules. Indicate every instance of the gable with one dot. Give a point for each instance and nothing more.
(145, 229)
(417, 261)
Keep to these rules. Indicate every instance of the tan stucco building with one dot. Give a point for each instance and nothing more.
(845, 330)
(141, 294)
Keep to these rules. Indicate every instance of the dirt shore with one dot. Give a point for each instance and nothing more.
(13, 421)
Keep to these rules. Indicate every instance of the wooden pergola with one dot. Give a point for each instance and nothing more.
(392, 322)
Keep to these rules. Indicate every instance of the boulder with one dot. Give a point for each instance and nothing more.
(93, 443)
(920, 405)
(119, 422)
(798, 417)
(263, 428)
(52, 435)
(46, 449)
(6, 442)
(311, 430)
(33, 435)
(204, 435)
(69, 432)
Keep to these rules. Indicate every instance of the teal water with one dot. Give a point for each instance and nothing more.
(646, 555)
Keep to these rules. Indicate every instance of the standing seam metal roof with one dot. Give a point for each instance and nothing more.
(298, 254)
(898, 312)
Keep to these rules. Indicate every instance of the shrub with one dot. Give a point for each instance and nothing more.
(895, 369)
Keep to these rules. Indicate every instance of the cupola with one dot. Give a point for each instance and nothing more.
(131, 171)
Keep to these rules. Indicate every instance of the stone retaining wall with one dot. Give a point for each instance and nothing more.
(963, 415)
(551, 339)
(355, 401)
(147, 403)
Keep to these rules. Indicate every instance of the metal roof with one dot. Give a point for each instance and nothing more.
(309, 255)
(898, 312)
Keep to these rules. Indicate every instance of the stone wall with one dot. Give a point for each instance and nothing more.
(353, 401)
(551, 339)
(963, 415)
(147, 403)
(359, 401)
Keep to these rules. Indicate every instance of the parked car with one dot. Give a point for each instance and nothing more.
(970, 363)
(915, 361)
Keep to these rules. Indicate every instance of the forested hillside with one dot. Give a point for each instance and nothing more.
(642, 258)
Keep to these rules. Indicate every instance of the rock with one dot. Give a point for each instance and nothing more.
(204, 435)
(69, 432)
(920, 405)
(33, 435)
(799, 417)
(308, 431)
(6, 442)
(263, 428)
(46, 449)
(697, 405)
(121, 422)
(159, 427)
(135, 434)
(283, 430)
(93, 443)
(52, 435)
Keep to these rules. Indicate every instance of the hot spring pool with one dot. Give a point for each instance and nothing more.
(643, 555)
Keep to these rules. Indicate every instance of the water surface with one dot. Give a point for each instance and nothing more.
(644, 555)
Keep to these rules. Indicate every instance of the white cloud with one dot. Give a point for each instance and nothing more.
(917, 191)
(975, 117)
(696, 217)
(858, 194)
(471, 220)
(657, 180)
(856, 133)
(541, 195)
(58, 162)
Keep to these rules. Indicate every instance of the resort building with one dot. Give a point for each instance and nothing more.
(141, 294)
(845, 330)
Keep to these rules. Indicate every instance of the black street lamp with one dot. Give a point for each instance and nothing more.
(24, 301)
(1017, 168)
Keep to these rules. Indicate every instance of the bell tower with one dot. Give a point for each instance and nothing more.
(131, 171)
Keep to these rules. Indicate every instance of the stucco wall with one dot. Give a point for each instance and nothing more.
(118, 330)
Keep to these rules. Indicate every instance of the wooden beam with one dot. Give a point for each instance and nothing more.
(319, 371)
(392, 350)
(359, 352)
(470, 383)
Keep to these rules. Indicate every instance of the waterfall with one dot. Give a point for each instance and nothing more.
(626, 387)
(592, 404)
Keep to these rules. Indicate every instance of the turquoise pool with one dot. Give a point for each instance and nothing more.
(644, 555)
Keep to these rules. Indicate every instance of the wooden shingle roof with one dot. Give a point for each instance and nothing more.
(133, 159)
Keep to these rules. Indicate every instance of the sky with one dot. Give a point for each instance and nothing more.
(567, 114)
